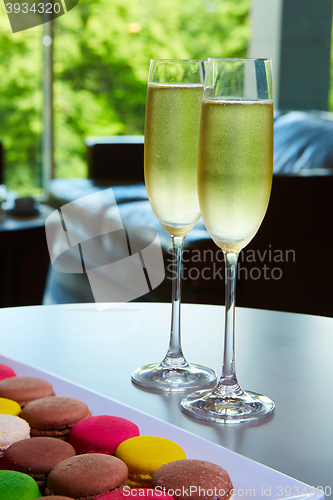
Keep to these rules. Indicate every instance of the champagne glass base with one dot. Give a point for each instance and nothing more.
(162, 378)
(245, 407)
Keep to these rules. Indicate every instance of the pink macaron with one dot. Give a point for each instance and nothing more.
(101, 434)
(136, 494)
(6, 371)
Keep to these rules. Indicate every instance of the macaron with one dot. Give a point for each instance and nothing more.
(25, 389)
(144, 454)
(17, 486)
(136, 494)
(12, 429)
(9, 407)
(54, 416)
(57, 497)
(101, 434)
(87, 476)
(186, 478)
(37, 457)
(6, 371)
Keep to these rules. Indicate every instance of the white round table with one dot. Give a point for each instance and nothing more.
(285, 356)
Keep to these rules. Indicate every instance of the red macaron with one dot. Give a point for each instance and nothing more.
(6, 371)
(136, 494)
(101, 434)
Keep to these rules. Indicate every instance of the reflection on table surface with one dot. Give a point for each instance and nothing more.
(286, 356)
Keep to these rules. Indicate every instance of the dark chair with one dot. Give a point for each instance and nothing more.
(24, 257)
(115, 158)
(24, 264)
(293, 244)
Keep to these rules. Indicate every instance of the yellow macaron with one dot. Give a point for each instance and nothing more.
(143, 455)
(9, 407)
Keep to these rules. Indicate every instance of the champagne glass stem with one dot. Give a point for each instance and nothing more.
(228, 384)
(228, 403)
(174, 373)
(174, 355)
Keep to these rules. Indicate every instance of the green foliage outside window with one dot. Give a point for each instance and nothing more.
(102, 50)
(21, 102)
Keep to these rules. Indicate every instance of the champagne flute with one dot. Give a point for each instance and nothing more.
(174, 96)
(234, 183)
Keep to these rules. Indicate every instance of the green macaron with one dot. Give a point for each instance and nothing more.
(17, 486)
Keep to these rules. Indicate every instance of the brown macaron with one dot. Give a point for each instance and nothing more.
(54, 416)
(25, 389)
(87, 476)
(57, 497)
(37, 457)
(184, 479)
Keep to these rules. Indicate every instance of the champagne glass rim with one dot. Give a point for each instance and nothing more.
(178, 60)
(239, 59)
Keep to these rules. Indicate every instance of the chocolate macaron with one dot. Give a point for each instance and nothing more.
(194, 479)
(54, 416)
(25, 389)
(57, 497)
(87, 476)
(37, 457)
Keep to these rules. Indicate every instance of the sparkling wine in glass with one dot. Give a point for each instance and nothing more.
(175, 89)
(234, 183)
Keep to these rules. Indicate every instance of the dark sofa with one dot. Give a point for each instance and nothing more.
(287, 266)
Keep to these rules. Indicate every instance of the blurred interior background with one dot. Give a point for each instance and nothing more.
(85, 75)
